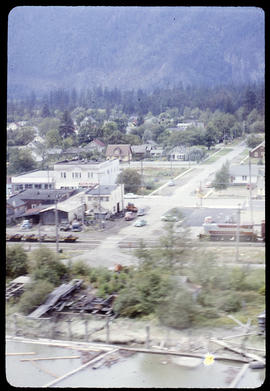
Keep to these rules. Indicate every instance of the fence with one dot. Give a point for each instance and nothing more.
(74, 327)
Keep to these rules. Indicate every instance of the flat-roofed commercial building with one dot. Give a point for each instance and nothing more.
(85, 174)
(39, 179)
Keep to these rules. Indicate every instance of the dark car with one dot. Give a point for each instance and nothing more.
(65, 226)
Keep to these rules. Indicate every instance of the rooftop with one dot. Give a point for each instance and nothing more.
(102, 190)
(80, 162)
(38, 175)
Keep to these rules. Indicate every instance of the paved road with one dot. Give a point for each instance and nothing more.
(183, 195)
(107, 252)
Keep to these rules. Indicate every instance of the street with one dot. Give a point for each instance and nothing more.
(103, 247)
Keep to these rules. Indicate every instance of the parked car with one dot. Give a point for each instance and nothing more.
(141, 212)
(76, 227)
(26, 224)
(140, 223)
(130, 216)
(169, 218)
(130, 195)
(171, 183)
(65, 226)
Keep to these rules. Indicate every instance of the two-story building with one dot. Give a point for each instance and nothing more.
(105, 199)
(83, 174)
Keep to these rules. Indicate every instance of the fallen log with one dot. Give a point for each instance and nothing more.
(20, 354)
(48, 358)
(79, 369)
(177, 353)
(239, 376)
(239, 351)
(44, 370)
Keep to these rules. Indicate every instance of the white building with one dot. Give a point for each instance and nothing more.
(84, 173)
(105, 198)
(39, 179)
(242, 175)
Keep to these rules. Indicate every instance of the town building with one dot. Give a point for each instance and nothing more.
(95, 145)
(243, 175)
(119, 151)
(15, 208)
(38, 179)
(70, 209)
(258, 151)
(105, 199)
(190, 124)
(178, 153)
(140, 151)
(75, 174)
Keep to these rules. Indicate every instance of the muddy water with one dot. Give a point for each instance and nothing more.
(138, 371)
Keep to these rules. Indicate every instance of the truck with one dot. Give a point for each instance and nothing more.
(131, 208)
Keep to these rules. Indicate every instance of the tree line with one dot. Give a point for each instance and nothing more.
(227, 99)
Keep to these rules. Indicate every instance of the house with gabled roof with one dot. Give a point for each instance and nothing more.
(258, 151)
(94, 145)
(120, 151)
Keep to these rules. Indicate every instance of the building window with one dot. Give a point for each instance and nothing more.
(244, 177)
(63, 175)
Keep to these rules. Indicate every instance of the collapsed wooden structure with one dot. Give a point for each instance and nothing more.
(62, 298)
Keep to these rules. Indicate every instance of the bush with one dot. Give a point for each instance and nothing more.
(79, 268)
(230, 303)
(178, 310)
(47, 266)
(16, 261)
(34, 296)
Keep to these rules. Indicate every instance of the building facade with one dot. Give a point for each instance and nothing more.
(33, 180)
(76, 174)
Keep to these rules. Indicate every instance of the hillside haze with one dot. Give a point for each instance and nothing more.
(133, 47)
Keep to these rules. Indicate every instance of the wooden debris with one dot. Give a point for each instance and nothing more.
(20, 354)
(239, 376)
(49, 358)
(79, 369)
(239, 351)
(44, 370)
(61, 292)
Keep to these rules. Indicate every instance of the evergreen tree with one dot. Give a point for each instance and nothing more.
(66, 128)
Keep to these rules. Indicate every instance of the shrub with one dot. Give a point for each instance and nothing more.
(34, 295)
(16, 261)
(47, 266)
(79, 268)
(230, 303)
(178, 309)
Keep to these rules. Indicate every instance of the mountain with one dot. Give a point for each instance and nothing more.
(133, 47)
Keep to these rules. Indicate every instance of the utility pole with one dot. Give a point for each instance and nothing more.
(250, 190)
(142, 171)
(237, 234)
(56, 224)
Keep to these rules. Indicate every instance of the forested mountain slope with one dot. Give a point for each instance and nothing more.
(133, 47)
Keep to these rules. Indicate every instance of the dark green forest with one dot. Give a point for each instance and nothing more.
(227, 99)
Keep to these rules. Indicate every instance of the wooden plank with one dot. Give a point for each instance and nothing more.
(44, 370)
(177, 353)
(239, 376)
(20, 354)
(80, 368)
(239, 351)
(49, 358)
